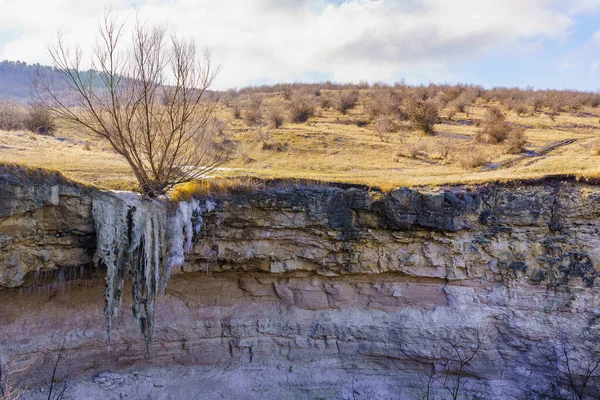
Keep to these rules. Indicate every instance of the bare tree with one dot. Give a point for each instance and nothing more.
(10, 389)
(57, 388)
(148, 102)
(575, 371)
(459, 358)
(446, 369)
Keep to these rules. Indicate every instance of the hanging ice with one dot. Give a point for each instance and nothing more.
(143, 240)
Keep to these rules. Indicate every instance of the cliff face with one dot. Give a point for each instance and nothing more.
(45, 225)
(333, 292)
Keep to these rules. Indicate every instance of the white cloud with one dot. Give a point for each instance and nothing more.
(275, 40)
(595, 40)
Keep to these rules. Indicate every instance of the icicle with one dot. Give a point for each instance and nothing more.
(138, 239)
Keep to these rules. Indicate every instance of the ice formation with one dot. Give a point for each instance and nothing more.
(143, 240)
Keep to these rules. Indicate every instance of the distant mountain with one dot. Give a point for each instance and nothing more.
(16, 78)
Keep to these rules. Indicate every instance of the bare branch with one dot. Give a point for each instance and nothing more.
(160, 126)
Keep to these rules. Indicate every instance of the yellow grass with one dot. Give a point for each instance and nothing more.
(331, 147)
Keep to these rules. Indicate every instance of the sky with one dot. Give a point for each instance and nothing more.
(538, 43)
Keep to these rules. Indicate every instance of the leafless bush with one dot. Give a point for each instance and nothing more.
(409, 150)
(516, 140)
(267, 141)
(9, 388)
(254, 111)
(441, 99)
(495, 129)
(287, 91)
(444, 149)
(11, 115)
(574, 370)
(275, 116)
(414, 150)
(423, 114)
(244, 154)
(463, 101)
(448, 368)
(236, 109)
(217, 126)
(346, 100)
(462, 95)
(57, 384)
(385, 124)
(87, 145)
(39, 119)
(158, 126)
(325, 101)
(452, 91)
(451, 112)
(265, 138)
(518, 106)
(554, 101)
(459, 358)
(535, 102)
(57, 387)
(472, 160)
(229, 97)
(302, 107)
(383, 102)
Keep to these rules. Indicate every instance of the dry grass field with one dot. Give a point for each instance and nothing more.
(370, 139)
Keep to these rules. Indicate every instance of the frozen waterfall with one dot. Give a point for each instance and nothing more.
(142, 240)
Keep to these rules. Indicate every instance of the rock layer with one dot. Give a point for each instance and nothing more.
(342, 281)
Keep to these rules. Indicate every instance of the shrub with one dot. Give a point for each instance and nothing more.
(11, 115)
(217, 126)
(275, 116)
(518, 106)
(382, 102)
(554, 101)
(423, 114)
(385, 124)
(495, 129)
(236, 109)
(536, 103)
(409, 150)
(441, 99)
(414, 150)
(254, 112)
(229, 96)
(243, 152)
(302, 107)
(287, 91)
(473, 160)
(516, 140)
(461, 103)
(325, 101)
(444, 148)
(265, 138)
(346, 100)
(451, 112)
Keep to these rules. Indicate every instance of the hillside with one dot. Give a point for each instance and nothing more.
(374, 141)
(16, 78)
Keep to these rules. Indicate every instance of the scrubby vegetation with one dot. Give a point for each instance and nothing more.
(34, 117)
(382, 135)
(302, 107)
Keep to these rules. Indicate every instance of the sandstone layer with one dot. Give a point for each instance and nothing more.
(334, 292)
